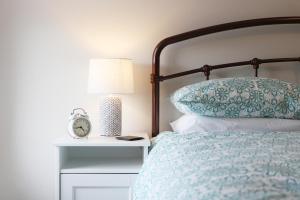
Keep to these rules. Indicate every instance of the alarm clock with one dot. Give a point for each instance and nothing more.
(79, 124)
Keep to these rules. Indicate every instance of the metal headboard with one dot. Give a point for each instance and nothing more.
(156, 78)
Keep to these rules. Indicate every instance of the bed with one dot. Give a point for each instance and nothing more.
(239, 138)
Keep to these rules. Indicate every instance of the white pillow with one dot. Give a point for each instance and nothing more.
(195, 123)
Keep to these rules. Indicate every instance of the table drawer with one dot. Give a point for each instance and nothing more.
(97, 186)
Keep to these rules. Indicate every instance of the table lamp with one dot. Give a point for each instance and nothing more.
(110, 77)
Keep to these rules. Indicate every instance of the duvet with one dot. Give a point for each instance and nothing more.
(221, 165)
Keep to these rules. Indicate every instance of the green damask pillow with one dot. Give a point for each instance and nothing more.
(240, 97)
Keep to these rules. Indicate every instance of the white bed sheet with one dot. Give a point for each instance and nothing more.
(195, 123)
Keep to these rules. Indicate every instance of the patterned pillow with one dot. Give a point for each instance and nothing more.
(240, 97)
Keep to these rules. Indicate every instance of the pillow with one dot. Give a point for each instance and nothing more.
(189, 123)
(240, 97)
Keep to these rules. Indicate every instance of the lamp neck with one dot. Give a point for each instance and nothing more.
(112, 97)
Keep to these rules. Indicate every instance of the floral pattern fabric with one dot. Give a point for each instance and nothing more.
(240, 97)
(221, 166)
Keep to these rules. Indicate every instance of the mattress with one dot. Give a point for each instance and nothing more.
(221, 165)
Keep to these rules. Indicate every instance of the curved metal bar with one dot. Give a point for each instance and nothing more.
(155, 76)
(255, 62)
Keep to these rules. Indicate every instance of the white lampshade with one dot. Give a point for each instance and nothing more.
(110, 76)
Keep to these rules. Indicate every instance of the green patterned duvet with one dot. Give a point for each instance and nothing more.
(218, 165)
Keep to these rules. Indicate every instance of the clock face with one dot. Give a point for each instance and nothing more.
(81, 127)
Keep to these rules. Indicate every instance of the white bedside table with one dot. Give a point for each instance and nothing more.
(98, 168)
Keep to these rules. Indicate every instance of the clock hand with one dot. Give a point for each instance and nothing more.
(80, 127)
(82, 132)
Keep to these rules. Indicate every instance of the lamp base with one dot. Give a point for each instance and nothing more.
(111, 116)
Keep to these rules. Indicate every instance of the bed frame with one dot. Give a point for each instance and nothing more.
(156, 78)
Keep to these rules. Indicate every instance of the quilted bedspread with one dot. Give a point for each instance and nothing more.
(221, 165)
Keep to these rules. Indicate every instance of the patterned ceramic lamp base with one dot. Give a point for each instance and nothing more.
(111, 116)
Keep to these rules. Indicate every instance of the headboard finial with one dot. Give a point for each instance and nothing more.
(255, 63)
(206, 71)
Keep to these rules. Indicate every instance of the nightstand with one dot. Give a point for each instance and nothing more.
(98, 168)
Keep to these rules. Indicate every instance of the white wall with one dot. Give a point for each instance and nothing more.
(6, 106)
(45, 47)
